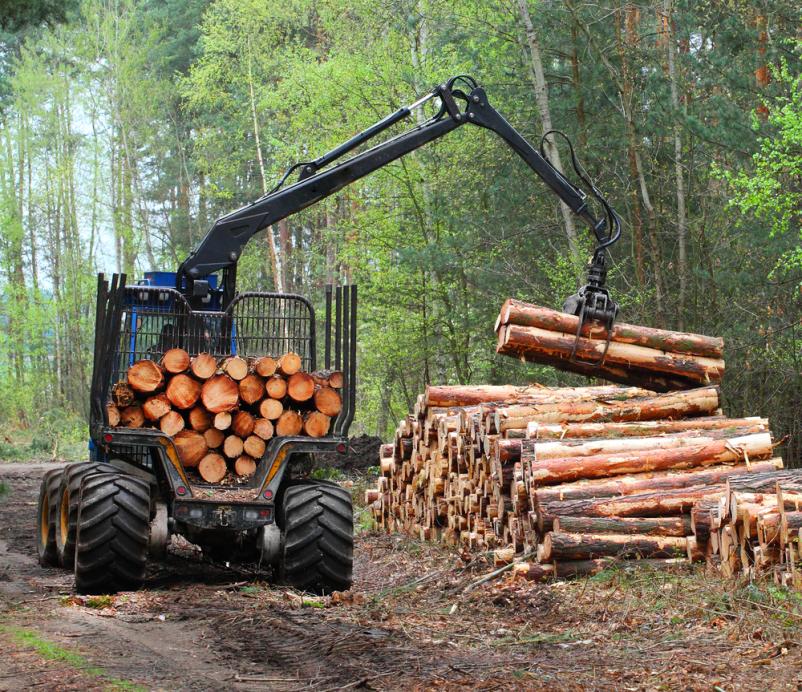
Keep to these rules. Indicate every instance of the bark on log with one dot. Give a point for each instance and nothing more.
(703, 401)
(276, 387)
(171, 423)
(183, 391)
(271, 408)
(300, 387)
(585, 568)
(203, 366)
(568, 546)
(235, 367)
(263, 428)
(328, 401)
(448, 396)
(289, 364)
(316, 424)
(646, 526)
(220, 393)
(737, 449)
(289, 423)
(767, 482)
(527, 315)
(661, 504)
(122, 395)
(509, 450)
(545, 431)
(112, 415)
(145, 377)
(191, 447)
(672, 371)
(132, 417)
(251, 389)
(244, 466)
(175, 360)
(214, 437)
(212, 468)
(233, 446)
(222, 420)
(254, 446)
(242, 424)
(156, 406)
(199, 419)
(265, 366)
(652, 482)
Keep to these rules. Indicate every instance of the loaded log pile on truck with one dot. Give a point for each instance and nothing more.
(220, 412)
(562, 481)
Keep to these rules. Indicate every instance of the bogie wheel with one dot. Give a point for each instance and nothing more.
(318, 526)
(67, 510)
(113, 530)
(46, 518)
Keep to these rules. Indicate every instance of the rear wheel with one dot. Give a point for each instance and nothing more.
(67, 510)
(113, 529)
(318, 525)
(46, 518)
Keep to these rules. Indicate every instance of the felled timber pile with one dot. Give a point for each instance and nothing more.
(221, 412)
(657, 359)
(559, 481)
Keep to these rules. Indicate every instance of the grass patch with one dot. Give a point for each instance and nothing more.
(3, 489)
(51, 651)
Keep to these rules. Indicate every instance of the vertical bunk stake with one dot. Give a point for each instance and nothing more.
(328, 328)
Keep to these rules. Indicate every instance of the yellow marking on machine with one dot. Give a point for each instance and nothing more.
(172, 455)
(277, 462)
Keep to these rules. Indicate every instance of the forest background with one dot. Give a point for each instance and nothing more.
(128, 126)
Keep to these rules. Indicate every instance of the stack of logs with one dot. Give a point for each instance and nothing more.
(225, 409)
(559, 481)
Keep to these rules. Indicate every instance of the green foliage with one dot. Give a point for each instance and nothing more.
(772, 190)
(127, 130)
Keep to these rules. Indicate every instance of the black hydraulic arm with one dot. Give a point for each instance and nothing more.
(223, 244)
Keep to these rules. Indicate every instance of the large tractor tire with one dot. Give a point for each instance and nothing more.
(113, 530)
(317, 522)
(46, 518)
(67, 511)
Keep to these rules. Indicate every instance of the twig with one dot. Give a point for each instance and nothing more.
(492, 575)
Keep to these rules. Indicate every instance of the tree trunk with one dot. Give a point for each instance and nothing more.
(703, 401)
(561, 470)
(524, 314)
(542, 100)
(630, 364)
(646, 526)
(567, 546)
(652, 482)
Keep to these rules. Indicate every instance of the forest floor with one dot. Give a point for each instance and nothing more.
(414, 620)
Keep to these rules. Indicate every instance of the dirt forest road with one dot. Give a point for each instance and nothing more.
(414, 620)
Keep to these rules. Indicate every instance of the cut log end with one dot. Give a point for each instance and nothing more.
(244, 466)
(289, 424)
(203, 366)
(191, 447)
(328, 401)
(145, 377)
(171, 423)
(183, 391)
(220, 393)
(212, 468)
(265, 366)
(316, 424)
(300, 387)
(235, 367)
(289, 364)
(251, 389)
(271, 408)
(175, 360)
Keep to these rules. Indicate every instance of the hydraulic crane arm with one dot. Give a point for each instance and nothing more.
(223, 244)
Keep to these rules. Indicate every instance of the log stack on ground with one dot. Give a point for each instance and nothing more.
(658, 359)
(225, 408)
(567, 480)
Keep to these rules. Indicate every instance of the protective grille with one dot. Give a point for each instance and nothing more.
(157, 319)
(272, 324)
